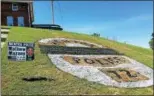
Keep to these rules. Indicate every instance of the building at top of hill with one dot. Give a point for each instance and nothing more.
(17, 13)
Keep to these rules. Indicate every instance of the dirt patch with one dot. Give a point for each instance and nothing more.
(4, 82)
(107, 61)
(38, 78)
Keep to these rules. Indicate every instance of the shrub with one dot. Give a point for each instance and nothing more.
(96, 34)
(151, 42)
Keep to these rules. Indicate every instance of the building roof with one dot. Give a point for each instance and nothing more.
(22, 1)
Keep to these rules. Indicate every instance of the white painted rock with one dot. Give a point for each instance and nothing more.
(2, 44)
(45, 41)
(4, 35)
(5, 30)
(125, 74)
(94, 74)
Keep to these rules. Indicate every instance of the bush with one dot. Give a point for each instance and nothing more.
(96, 34)
(151, 42)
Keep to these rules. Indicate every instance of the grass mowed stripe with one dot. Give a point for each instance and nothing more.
(64, 83)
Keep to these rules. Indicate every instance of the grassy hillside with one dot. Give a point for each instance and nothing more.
(12, 72)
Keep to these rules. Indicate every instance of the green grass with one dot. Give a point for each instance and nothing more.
(12, 72)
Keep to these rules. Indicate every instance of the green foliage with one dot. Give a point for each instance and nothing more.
(96, 34)
(151, 43)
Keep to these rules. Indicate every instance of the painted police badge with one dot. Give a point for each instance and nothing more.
(108, 69)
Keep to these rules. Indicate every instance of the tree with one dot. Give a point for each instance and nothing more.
(96, 34)
(151, 42)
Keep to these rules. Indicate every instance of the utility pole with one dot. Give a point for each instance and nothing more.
(52, 12)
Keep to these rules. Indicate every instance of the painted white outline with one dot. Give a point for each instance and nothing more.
(92, 73)
(44, 41)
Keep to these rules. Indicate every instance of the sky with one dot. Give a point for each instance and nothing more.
(125, 21)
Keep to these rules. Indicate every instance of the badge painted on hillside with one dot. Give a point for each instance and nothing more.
(96, 63)
(20, 51)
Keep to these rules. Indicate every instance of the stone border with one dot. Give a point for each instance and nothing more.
(46, 48)
(94, 74)
(44, 41)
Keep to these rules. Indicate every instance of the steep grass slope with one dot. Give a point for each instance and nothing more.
(12, 72)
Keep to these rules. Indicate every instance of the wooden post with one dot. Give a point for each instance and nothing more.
(52, 12)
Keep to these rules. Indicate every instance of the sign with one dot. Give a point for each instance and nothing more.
(124, 75)
(19, 51)
(105, 68)
(72, 46)
(107, 61)
(118, 71)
